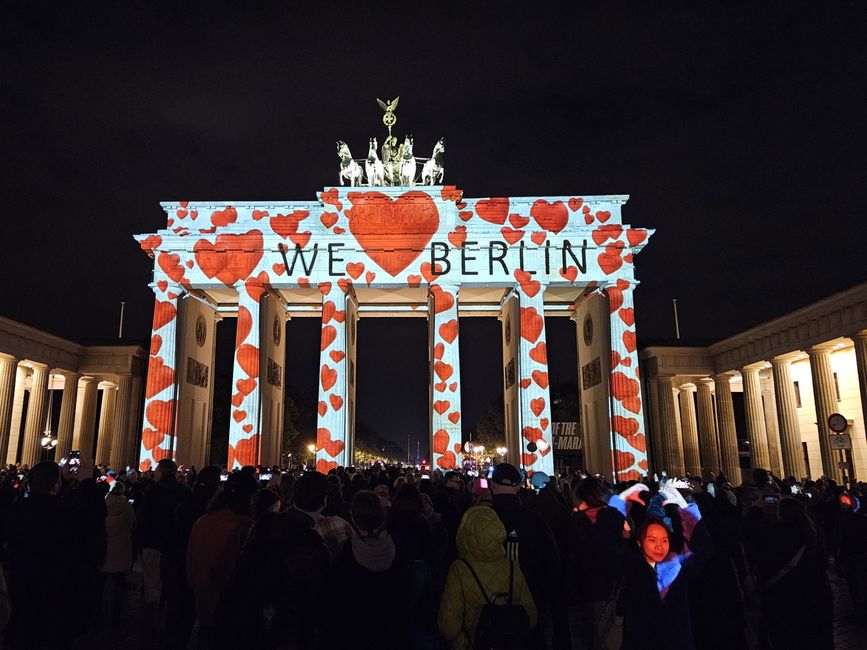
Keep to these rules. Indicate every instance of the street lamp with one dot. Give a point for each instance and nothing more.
(501, 451)
(312, 449)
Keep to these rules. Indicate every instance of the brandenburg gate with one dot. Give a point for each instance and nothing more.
(393, 248)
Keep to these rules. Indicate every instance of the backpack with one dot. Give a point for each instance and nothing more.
(502, 625)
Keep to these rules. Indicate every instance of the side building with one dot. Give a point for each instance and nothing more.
(763, 397)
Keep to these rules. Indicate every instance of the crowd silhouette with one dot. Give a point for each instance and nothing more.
(397, 557)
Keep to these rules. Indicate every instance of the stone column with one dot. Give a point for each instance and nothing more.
(769, 404)
(860, 341)
(85, 416)
(244, 434)
(787, 417)
(534, 395)
(671, 444)
(656, 442)
(333, 427)
(106, 426)
(758, 436)
(728, 437)
(158, 423)
(8, 368)
(17, 414)
(120, 424)
(445, 377)
(67, 414)
(689, 428)
(627, 415)
(131, 444)
(707, 433)
(826, 403)
(34, 425)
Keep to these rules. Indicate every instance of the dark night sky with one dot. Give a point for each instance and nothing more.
(738, 129)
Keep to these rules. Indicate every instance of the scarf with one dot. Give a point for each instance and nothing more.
(375, 553)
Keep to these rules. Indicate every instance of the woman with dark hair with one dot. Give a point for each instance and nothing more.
(655, 593)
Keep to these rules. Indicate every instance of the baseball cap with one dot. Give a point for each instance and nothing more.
(539, 480)
(506, 474)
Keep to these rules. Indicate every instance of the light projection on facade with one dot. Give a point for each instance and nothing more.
(396, 250)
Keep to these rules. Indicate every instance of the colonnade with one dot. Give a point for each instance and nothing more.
(782, 434)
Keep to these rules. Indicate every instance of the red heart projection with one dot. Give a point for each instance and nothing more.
(439, 350)
(164, 313)
(493, 210)
(248, 359)
(532, 434)
(237, 399)
(603, 215)
(544, 422)
(518, 221)
(538, 238)
(528, 459)
(151, 438)
(532, 324)
(525, 383)
(443, 370)
(414, 281)
(610, 260)
(171, 264)
(328, 219)
(541, 378)
(575, 204)
(458, 237)
(284, 225)
(615, 359)
(369, 276)
(159, 414)
(628, 428)
(603, 233)
(440, 387)
(430, 274)
(615, 299)
(529, 286)
(156, 344)
(245, 386)
(455, 416)
(224, 217)
(329, 333)
(511, 236)
(539, 354)
(245, 324)
(337, 355)
(328, 310)
(324, 442)
(623, 459)
(447, 460)
(453, 386)
(635, 236)
(336, 402)
(323, 409)
(627, 315)
(451, 193)
(440, 441)
(449, 330)
(443, 300)
(441, 406)
(626, 391)
(162, 285)
(537, 406)
(332, 197)
(239, 415)
(160, 377)
(405, 225)
(629, 340)
(550, 216)
(569, 273)
(324, 288)
(344, 284)
(247, 428)
(355, 269)
(231, 257)
(324, 466)
(328, 377)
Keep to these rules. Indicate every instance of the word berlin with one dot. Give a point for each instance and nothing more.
(442, 255)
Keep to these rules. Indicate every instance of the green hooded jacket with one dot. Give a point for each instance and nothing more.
(480, 541)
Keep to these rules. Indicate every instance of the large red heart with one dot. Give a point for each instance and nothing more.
(615, 299)
(541, 378)
(440, 441)
(635, 236)
(539, 354)
(164, 313)
(160, 377)
(245, 386)
(324, 442)
(441, 406)
(151, 438)
(532, 434)
(623, 459)
(443, 300)
(393, 233)
(449, 330)
(231, 257)
(248, 358)
(328, 377)
(627, 315)
(629, 340)
(532, 324)
(245, 324)
(493, 210)
(550, 216)
(610, 260)
(159, 414)
(528, 459)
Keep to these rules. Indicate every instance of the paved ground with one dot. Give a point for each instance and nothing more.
(850, 633)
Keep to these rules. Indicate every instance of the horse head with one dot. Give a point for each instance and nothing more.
(407, 147)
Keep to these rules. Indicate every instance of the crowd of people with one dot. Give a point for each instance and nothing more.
(396, 557)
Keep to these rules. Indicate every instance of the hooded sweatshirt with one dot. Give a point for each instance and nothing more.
(480, 541)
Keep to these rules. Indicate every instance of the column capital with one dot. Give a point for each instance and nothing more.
(723, 376)
(159, 291)
(859, 336)
(820, 350)
(688, 387)
(752, 368)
